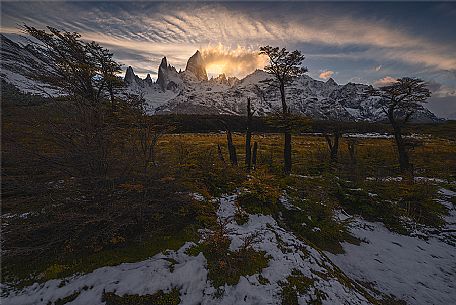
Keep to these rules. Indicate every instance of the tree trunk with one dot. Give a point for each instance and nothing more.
(287, 133)
(254, 155)
(352, 150)
(333, 146)
(248, 138)
(282, 96)
(287, 151)
(220, 154)
(113, 100)
(231, 148)
(404, 162)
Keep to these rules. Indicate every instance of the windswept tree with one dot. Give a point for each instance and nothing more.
(399, 101)
(84, 73)
(284, 67)
(76, 68)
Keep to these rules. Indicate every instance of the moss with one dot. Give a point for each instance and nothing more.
(225, 266)
(296, 284)
(392, 202)
(158, 298)
(131, 252)
(262, 280)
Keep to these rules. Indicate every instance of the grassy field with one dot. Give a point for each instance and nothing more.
(56, 223)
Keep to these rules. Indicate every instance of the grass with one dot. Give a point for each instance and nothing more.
(50, 267)
(190, 163)
(393, 202)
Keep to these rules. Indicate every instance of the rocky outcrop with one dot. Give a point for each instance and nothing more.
(132, 79)
(196, 65)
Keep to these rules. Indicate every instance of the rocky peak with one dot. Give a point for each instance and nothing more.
(162, 74)
(129, 75)
(331, 82)
(196, 65)
(148, 80)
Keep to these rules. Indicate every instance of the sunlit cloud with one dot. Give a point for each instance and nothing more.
(385, 81)
(326, 74)
(177, 30)
(239, 61)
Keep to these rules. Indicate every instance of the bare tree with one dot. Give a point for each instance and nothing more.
(76, 68)
(400, 101)
(284, 66)
(248, 137)
(333, 144)
(84, 73)
(351, 145)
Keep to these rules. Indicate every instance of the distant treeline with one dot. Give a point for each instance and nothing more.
(186, 123)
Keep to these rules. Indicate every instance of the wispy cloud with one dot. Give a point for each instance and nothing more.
(177, 30)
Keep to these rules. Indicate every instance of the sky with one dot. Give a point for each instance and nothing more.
(362, 42)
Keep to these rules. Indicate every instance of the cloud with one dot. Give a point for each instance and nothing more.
(326, 74)
(238, 62)
(385, 81)
(441, 90)
(176, 30)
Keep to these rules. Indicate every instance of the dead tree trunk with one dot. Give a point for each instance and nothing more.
(352, 150)
(220, 154)
(254, 155)
(333, 146)
(248, 138)
(287, 151)
(231, 148)
(404, 161)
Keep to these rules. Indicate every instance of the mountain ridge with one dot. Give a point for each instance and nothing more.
(192, 92)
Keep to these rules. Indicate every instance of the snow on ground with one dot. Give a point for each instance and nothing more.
(419, 271)
(189, 274)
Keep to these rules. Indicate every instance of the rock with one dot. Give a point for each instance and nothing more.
(196, 65)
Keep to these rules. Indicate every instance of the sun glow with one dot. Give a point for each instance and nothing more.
(239, 61)
(216, 68)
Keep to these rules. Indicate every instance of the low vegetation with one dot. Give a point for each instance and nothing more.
(57, 223)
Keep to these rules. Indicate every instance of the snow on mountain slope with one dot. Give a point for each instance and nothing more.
(16, 61)
(190, 92)
(313, 98)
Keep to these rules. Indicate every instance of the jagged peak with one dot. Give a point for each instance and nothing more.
(164, 63)
(196, 65)
(129, 75)
(331, 81)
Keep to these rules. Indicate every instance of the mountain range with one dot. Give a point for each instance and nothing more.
(192, 92)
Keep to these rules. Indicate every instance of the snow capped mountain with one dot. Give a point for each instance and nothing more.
(191, 92)
(16, 62)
